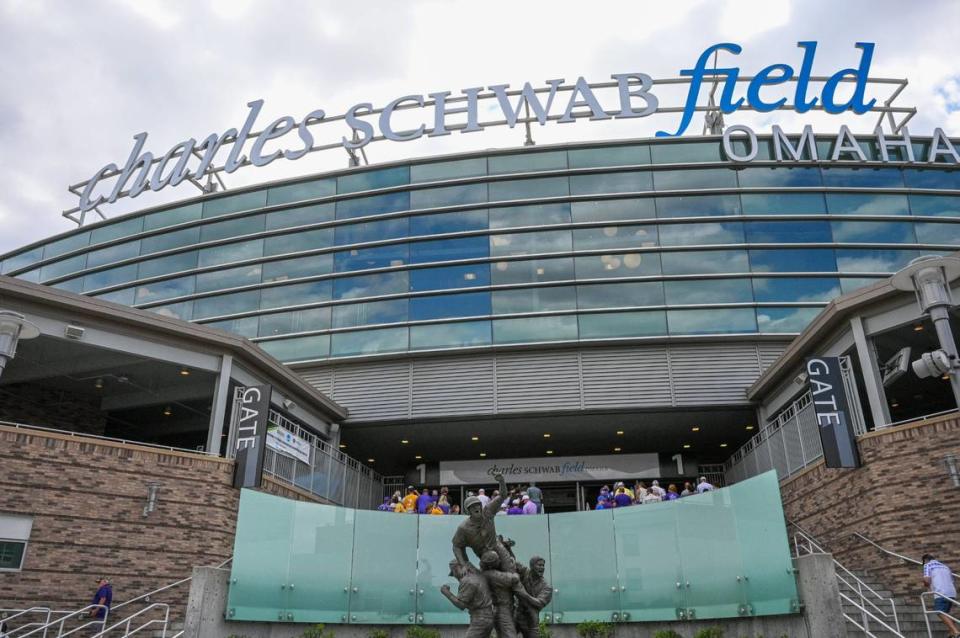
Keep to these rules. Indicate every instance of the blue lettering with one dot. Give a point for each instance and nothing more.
(855, 103)
(766, 78)
(696, 80)
(800, 103)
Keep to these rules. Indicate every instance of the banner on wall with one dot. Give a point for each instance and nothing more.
(286, 442)
(551, 470)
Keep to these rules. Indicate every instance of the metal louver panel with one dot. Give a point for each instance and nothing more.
(770, 352)
(374, 392)
(618, 377)
(541, 381)
(712, 374)
(321, 379)
(453, 386)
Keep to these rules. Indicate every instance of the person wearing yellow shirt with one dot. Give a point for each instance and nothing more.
(410, 500)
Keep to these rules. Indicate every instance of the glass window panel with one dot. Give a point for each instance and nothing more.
(179, 215)
(300, 216)
(299, 267)
(825, 150)
(345, 344)
(167, 241)
(299, 348)
(631, 182)
(301, 191)
(939, 205)
(527, 162)
(124, 296)
(376, 205)
(531, 270)
(621, 265)
(849, 284)
(686, 152)
(698, 262)
(796, 289)
(604, 237)
(167, 265)
(306, 320)
(468, 304)
(610, 325)
(168, 289)
(613, 210)
(701, 234)
(849, 177)
(507, 302)
(376, 257)
(785, 320)
(448, 170)
(690, 292)
(245, 326)
(116, 230)
(65, 245)
(448, 196)
(688, 179)
(233, 303)
(778, 176)
(711, 321)
(608, 156)
(422, 252)
(113, 253)
(875, 261)
(533, 215)
(295, 294)
(182, 310)
(932, 178)
(30, 275)
(450, 335)
(230, 278)
(372, 312)
(234, 203)
(783, 204)
(448, 222)
(867, 204)
(232, 228)
(788, 232)
(60, 268)
(371, 231)
(874, 232)
(621, 295)
(387, 283)
(110, 277)
(936, 233)
(550, 241)
(467, 276)
(240, 251)
(535, 329)
(787, 260)
(298, 242)
(22, 260)
(369, 180)
(70, 285)
(698, 205)
(529, 188)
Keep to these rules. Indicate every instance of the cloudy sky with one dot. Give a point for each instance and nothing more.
(80, 79)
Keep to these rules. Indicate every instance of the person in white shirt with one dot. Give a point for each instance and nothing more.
(703, 485)
(484, 499)
(659, 491)
(938, 578)
(651, 497)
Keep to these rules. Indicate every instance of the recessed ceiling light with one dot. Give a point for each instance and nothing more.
(686, 446)
(418, 457)
(549, 451)
(619, 432)
(474, 438)
(616, 449)
(343, 446)
(723, 445)
(483, 454)
(749, 427)
(404, 441)
(546, 435)
(918, 327)
(371, 460)
(184, 372)
(167, 411)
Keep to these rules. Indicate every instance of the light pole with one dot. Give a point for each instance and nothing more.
(929, 277)
(13, 328)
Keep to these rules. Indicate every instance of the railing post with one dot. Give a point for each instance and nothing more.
(863, 607)
(926, 616)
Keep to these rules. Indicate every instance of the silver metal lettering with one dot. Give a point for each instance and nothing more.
(85, 203)
(753, 146)
(589, 100)
(212, 146)
(643, 92)
(440, 112)
(940, 145)
(305, 135)
(884, 143)
(236, 158)
(355, 123)
(179, 172)
(781, 142)
(527, 96)
(387, 129)
(846, 143)
(134, 162)
(278, 128)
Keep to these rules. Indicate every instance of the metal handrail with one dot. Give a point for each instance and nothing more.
(60, 621)
(23, 612)
(863, 628)
(147, 595)
(926, 613)
(126, 622)
(896, 555)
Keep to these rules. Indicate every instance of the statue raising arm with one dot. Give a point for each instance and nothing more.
(494, 505)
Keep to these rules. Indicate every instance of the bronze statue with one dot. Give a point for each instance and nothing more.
(538, 595)
(479, 532)
(502, 584)
(473, 594)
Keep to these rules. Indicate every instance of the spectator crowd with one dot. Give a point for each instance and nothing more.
(640, 494)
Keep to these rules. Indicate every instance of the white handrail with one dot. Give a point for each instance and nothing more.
(10, 633)
(863, 628)
(165, 587)
(926, 612)
(895, 554)
(126, 621)
(78, 613)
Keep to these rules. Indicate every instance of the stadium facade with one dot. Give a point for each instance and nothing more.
(583, 299)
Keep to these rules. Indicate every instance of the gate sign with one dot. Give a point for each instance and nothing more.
(833, 415)
(252, 435)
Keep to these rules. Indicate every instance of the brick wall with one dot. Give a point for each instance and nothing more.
(902, 498)
(50, 408)
(87, 496)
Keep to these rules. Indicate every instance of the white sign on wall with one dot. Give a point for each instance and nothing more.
(552, 469)
(286, 442)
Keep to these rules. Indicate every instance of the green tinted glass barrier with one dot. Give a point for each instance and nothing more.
(721, 554)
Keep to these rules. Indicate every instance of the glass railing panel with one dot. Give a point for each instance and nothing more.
(433, 568)
(384, 568)
(584, 566)
(648, 561)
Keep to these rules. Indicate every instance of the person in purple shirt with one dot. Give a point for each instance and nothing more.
(529, 507)
(515, 508)
(424, 501)
(103, 598)
(621, 498)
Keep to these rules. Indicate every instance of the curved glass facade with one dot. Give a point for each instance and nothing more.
(580, 243)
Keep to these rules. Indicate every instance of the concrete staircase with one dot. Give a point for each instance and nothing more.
(909, 614)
